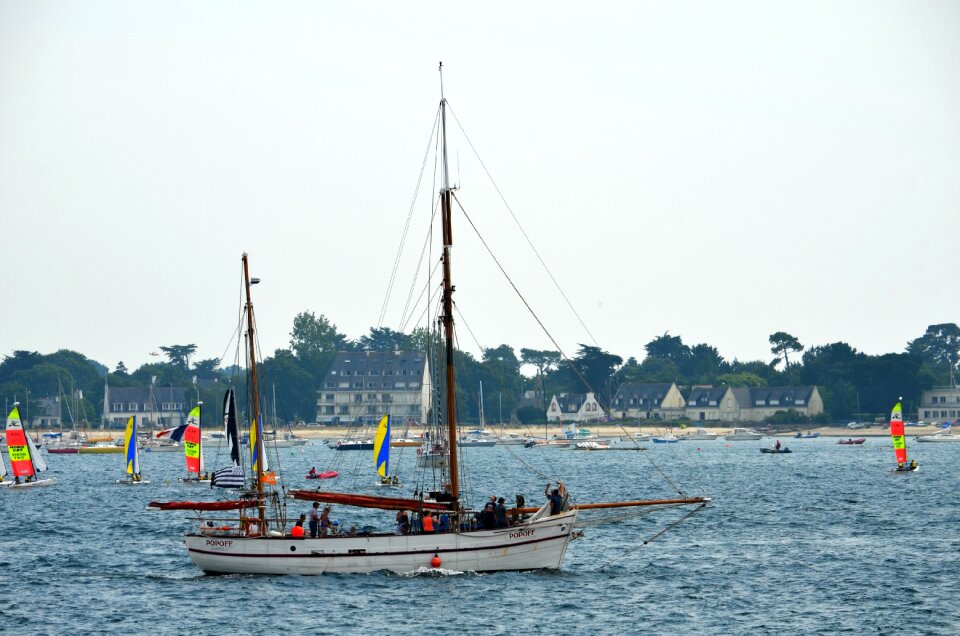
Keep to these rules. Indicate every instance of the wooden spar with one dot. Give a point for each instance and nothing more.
(255, 393)
(626, 504)
(445, 195)
(236, 504)
(367, 501)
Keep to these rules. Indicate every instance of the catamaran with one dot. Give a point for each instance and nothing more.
(257, 540)
(132, 454)
(900, 441)
(25, 459)
(193, 448)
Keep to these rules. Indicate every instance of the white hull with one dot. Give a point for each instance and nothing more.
(40, 483)
(939, 438)
(161, 449)
(534, 545)
(130, 482)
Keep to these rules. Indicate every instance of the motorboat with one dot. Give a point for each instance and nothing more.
(669, 438)
(701, 434)
(800, 435)
(743, 435)
(776, 451)
(850, 441)
(946, 435)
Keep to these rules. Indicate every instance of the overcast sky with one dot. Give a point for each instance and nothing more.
(720, 171)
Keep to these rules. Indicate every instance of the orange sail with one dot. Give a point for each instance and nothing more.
(896, 431)
(20, 461)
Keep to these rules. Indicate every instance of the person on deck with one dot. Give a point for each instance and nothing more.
(913, 464)
(427, 522)
(488, 517)
(556, 498)
(325, 524)
(777, 445)
(313, 473)
(500, 513)
(403, 522)
(314, 519)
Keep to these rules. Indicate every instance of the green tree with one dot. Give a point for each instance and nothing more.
(179, 355)
(783, 344)
(384, 339)
(939, 345)
(668, 347)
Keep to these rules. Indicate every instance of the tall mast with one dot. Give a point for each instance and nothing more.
(445, 195)
(254, 388)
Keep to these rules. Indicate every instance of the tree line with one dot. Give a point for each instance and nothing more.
(853, 384)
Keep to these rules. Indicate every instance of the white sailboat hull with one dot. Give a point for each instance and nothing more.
(40, 483)
(535, 545)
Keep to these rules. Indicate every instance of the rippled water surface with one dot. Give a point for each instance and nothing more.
(822, 541)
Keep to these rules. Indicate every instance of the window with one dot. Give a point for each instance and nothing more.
(374, 372)
(343, 410)
(358, 372)
(346, 372)
(358, 385)
(344, 385)
(116, 406)
(132, 406)
(414, 385)
(388, 372)
(404, 372)
(329, 397)
(331, 385)
(328, 410)
(333, 372)
(371, 385)
(800, 402)
(400, 385)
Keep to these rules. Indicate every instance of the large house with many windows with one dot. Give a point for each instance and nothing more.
(742, 404)
(939, 404)
(160, 406)
(648, 401)
(361, 387)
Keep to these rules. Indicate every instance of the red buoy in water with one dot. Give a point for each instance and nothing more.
(435, 561)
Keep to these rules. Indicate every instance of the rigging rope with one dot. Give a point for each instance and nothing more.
(519, 226)
(652, 537)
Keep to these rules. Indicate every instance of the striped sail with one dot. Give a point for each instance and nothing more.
(381, 447)
(896, 431)
(231, 476)
(191, 442)
(130, 446)
(17, 448)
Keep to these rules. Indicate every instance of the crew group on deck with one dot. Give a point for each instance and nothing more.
(493, 516)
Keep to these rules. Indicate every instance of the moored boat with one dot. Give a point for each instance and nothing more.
(850, 441)
(743, 435)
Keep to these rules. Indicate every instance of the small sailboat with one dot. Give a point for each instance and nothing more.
(25, 459)
(132, 454)
(900, 441)
(945, 434)
(193, 449)
(381, 453)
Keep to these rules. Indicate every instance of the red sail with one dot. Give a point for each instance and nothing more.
(235, 504)
(896, 432)
(364, 501)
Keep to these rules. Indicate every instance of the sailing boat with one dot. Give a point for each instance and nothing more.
(381, 453)
(900, 441)
(25, 459)
(261, 545)
(193, 448)
(132, 454)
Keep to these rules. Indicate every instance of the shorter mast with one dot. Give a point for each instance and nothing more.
(255, 393)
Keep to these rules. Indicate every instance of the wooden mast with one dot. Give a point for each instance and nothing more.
(445, 196)
(255, 392)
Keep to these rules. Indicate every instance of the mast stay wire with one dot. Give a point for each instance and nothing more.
(549, 335)
(520, 227)
(406, 227)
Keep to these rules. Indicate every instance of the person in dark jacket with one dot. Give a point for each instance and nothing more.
(500, 513)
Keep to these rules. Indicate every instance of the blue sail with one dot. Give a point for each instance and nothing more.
(381, 447)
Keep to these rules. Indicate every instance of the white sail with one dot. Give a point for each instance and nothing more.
(38, 464)
(3, 467)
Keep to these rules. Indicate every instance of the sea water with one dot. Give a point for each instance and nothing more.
(825, 540)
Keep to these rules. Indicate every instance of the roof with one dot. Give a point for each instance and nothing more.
(705, 395)
(570, 402)
(780, 395)
(377, 363)
(642, 391)
(141, 395)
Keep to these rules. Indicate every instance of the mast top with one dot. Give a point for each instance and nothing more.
(441, 81)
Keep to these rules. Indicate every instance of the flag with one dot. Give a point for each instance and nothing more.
(269, 478)
(175, 433)
(229, 477)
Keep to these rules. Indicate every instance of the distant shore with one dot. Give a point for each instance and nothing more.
(606, 430)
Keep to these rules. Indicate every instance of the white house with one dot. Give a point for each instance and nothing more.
(160, 406)
(939, 404)
(579, 407)
(653, 401)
